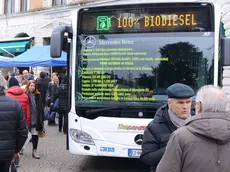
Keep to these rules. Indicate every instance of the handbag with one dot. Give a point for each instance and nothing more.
(50, 114)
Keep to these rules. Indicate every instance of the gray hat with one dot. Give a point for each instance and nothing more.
(179, 91)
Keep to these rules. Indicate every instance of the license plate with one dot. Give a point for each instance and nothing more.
(134, 152)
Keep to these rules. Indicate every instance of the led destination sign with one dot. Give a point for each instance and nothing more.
(147, 19)
(158, 21)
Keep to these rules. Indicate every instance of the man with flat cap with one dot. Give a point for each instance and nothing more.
(167, 119)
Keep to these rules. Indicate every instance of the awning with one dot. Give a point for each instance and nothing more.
(13, 46)
(35, 56)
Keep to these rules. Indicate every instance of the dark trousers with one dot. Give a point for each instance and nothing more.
(5, 166)
(35, 141)
(61, 123)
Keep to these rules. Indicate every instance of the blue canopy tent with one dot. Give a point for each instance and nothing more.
(36, 56)
(3, 61)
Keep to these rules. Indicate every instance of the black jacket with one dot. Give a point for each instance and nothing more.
(62, 95)
(156, 136)
(42, 88)
(13, 128)
(40, 116)
(53, 92)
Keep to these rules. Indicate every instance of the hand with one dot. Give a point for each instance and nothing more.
(15, 156)
(51, 104)
(19, 156)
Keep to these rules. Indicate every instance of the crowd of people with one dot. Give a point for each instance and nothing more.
(24, 100)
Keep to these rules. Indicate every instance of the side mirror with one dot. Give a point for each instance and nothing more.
(57, 40)
(225, 51)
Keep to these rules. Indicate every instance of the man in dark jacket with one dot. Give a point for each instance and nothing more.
(42, 84)
(167, 119)
(203, 144)
(13, 129)
(62, 107)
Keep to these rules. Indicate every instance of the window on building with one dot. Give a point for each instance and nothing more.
(24, 5)
(46, 41)
(59, 2)
(9, 6)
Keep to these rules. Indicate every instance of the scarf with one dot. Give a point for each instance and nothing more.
(178, 122)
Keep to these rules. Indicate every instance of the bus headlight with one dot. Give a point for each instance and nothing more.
(81, 137)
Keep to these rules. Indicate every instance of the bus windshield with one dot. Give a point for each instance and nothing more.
(132, 54)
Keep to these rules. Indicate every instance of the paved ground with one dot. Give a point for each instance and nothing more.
(55, 158)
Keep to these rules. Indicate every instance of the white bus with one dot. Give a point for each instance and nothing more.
(121, 59)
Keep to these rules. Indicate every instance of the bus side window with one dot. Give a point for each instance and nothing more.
(225, 52)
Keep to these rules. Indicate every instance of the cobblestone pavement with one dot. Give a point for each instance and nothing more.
(55, 158)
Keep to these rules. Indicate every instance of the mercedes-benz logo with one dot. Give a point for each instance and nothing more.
(90, 41)
(139, 139)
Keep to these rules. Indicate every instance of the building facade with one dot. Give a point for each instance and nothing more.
(34, 21)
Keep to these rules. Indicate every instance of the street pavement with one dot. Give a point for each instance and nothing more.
(55, 158)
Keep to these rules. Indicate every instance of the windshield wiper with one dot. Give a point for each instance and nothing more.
(155, 104)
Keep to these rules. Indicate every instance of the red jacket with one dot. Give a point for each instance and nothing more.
(18, 94)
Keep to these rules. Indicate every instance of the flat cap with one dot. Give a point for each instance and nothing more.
(179, 91)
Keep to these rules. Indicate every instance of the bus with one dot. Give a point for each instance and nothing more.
(121, 58)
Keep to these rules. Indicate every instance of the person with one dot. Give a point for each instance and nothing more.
(13, 128)
(52, 89)
(25, 75)
(54, 74)
(62, 106)
(167, 119)
(42, 84)
(24, 83)
(31, 75)
(10, 74)
(18, 76)
(203, 144)
(36, 114)
(18, 94)
(4, 82)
